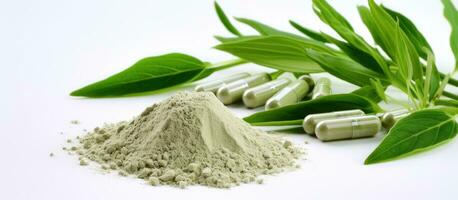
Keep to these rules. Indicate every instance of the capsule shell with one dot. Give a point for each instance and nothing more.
(347, 128)
(322, 88)
(310, 121)
(257, 96)
(291, 94)
(213, 86)
(390, 118)
(309, 80)
(233, 92)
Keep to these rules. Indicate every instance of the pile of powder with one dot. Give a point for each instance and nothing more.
(190, 138)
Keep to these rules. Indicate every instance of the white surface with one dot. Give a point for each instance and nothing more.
(49, 48)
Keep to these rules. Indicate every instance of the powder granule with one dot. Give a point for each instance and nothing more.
(190, 138)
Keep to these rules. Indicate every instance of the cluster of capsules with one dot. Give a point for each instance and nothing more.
(350, 124)
(258, 89)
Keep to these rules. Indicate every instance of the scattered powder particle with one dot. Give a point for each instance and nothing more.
(260, 181)
(69, 141)
(83, 162)
(306, 142)
(189, 139)
(287, 144)
(153, 181)
(74, 122)
(51, 154)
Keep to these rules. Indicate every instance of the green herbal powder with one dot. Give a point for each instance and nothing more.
(190, 138)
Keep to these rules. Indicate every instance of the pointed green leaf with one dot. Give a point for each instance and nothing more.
(356, 54)
(418, 131)
(264, 29)
(379, 88)
(329, 15)
(398, 46)
(432, 76)
(337, 22)
(293, 114)
(344, 68)
(451, 14)
(223, 18)
(415, 36)
(278, 52)
(308, 32)
(148, 74)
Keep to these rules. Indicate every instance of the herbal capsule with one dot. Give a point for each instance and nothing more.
(213, 86)
(258, 95)
(347, 128)
(390, 118)
(308, 79)
(310, 121)
(292, 93)
(232, 92)
(322, 88)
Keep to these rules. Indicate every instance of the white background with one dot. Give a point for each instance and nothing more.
(49, 48)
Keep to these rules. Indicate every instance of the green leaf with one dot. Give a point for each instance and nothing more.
(293, 114)
(451, 14)
(337, 22)
(406, 57)
(398, 46)
(368, 92)
(310, 33)
(229, 39)
(148, 74)
(432, 76)
(415, 36)
(344, 68)
(368, 20)
(418, 131)
(379, 88)
(356, 54)
(329, 15)
(223, 18)
(278, 52)
(265, 30)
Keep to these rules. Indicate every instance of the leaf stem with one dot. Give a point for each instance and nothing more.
(450, 95)
(451, 81)
(226, 64)
(445, 102)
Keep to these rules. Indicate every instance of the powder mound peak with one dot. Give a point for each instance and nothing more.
(201, 116)
(190, 138)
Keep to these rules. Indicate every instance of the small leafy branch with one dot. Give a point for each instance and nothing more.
(401, 58)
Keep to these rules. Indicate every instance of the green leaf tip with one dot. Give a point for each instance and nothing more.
(223, 18)
(148, 74)
(420, 131)
(451, 14)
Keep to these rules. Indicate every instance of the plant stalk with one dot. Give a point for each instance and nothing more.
(451, 81)
(450, 95)
(227, 64)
